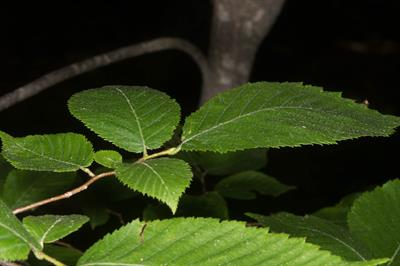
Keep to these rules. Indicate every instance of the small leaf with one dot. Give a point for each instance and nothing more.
(67, 255)
(244, 185)
(25, 187)
(132, 118)
(200, 241)
(15, 241)
(106, 158)
(50, 228)
(98, 214)
(156, 212)
(268, 114)
(375, 219)
(327, 235)
(209, 204)
(227, 163)
(64, 152)
(338, 213)
(164, 179)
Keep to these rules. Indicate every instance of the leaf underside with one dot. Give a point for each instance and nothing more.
(63, 152)
(375, 219)
(15, 241)
(244, 186)
(269, 114)
(164, 178)
(199, 241)
(327, 235)
(132, 118)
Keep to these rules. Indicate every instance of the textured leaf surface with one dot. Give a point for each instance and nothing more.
(107, 158)
(375, 219)
(164, 179)
(280, 114)
(199, 241)
(132, 118)
(209, 204)
(62, 152)
(323, 233)
(244, 186)
(25, 187)
(15, 241)
(50, 228)
(227, 163)
(5, 168)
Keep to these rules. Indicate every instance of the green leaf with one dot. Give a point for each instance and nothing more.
(338, 213)
(15, 241)
(375, 219)
(106, 158)
(25, 187)
(199, 241)
(268, 114)
(164, 179)
(64, 152)
(244, 185)
(209, 204)
(97, 213)
(67, 255)
(327, 235)
(50, 228)
(132, 118)
(156, 212)
(5, 168)
(227, 163)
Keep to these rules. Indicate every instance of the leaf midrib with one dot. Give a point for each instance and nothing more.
(241, 116)
(46, 157)
(136, 118)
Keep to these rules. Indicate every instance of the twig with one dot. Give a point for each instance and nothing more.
(64, 195)
(73, 70)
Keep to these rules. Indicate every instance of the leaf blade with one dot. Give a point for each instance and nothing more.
(244, 185)
(131, 117)
(50, 228)
(62, 152)
(15, 241)
(191, 241)
(108, 158)
(375, 219)
(164, 178)
(327, 235)
(25, 187)
(277, 115)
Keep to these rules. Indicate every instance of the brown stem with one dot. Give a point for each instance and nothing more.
(62, 74)
(65, 195)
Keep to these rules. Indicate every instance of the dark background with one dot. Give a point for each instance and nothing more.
(342, 45)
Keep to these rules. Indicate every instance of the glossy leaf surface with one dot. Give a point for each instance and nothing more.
(268, 114)
(132, 118)
(63, 152)
(164, 178)
(200, 241)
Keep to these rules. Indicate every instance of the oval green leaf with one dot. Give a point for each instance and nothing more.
(50, 228)
(15, 241)
(375, 219)
(132, 118)
(199, 241)
(25, 187)
(164, 179)
(63, 152)
(108, 158)
(267, 114)
(244, 186)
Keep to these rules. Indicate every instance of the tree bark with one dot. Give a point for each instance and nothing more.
(238, 28)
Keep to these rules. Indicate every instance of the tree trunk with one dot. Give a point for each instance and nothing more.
(238, 28)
